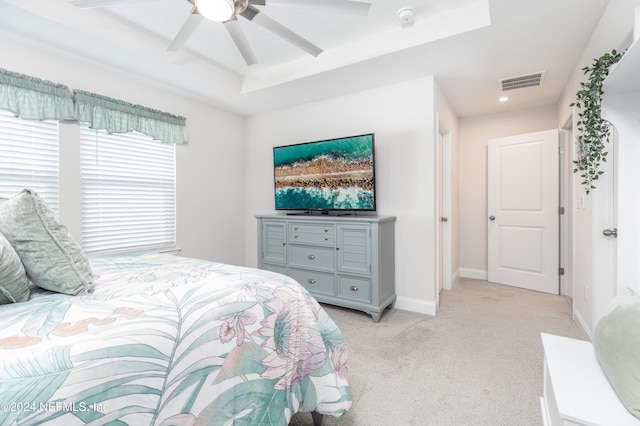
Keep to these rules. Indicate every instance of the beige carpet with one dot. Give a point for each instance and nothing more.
(479, 362)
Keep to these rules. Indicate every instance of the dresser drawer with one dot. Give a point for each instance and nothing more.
(314, 281)
(354, 288)
(312, 233)
(313, 257)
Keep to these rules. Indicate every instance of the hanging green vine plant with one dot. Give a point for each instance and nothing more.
(593, 130)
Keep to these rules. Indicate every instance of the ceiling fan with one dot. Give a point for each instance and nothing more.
(228, 11)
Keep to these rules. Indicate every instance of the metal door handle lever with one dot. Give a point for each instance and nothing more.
(610, 232)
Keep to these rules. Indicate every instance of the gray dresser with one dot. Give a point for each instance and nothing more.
(346, 261)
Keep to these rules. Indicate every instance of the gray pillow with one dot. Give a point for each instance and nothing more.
(616, 341)
(14, 284)
(50, 255)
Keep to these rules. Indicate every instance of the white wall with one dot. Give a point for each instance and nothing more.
(210, 178)
(614, 31)
(402, 118)
(472, 162)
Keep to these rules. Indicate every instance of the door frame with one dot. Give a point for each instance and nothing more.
(443, 231)
(567, 195)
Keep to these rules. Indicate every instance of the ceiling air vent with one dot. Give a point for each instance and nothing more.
(528, 80)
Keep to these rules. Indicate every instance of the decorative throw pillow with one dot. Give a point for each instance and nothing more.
(616, 341)
(51, 257)
(14, 284)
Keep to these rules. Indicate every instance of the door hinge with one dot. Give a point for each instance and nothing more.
(561, 211)
(560, 271)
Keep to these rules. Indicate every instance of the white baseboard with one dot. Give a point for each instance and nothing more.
(416, 305)
(582, 324)
(476, 274)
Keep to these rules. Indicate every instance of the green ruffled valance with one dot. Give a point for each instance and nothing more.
(115, 116)
(31, 98)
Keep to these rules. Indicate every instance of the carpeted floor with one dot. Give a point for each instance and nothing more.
(479, 362)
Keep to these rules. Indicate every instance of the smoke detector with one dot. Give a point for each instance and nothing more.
(406, 14)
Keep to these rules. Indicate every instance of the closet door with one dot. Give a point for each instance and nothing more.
(523, 204)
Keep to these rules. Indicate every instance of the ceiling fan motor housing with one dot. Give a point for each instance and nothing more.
(241, 5)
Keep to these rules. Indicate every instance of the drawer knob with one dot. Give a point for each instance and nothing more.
(311, 281)
(311, 257)
(295, 236)
(353, 288)
(326, 238)
(326, 230)
(295, 228)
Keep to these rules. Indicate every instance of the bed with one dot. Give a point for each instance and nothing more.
(159, 339)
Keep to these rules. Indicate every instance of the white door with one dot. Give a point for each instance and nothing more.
(605, 234)
(523, 204)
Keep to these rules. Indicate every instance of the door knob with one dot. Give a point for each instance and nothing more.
(492, 217)
(610, 232)
(444, 219)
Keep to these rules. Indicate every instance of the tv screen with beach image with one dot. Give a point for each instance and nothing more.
(336, 174)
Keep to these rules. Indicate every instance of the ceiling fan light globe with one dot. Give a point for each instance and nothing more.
(216, 10)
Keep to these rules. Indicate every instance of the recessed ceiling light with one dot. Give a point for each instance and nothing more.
(503, 98)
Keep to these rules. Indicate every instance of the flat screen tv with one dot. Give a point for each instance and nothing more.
(327, 175)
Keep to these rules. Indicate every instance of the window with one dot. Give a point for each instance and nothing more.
(127, 192)
(29, 158)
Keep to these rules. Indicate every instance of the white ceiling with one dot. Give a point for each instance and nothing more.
(469, 45)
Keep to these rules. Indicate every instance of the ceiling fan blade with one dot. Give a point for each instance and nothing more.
(189, 26)
(90, 4)
(255, 16)
(240, 39)
(346, 7)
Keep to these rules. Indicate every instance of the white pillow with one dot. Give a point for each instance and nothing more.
(14, 284)
(52, 258)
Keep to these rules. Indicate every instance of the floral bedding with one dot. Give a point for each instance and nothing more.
(168, 340)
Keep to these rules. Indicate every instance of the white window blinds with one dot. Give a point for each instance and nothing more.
(127, 191)
(29, 158)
